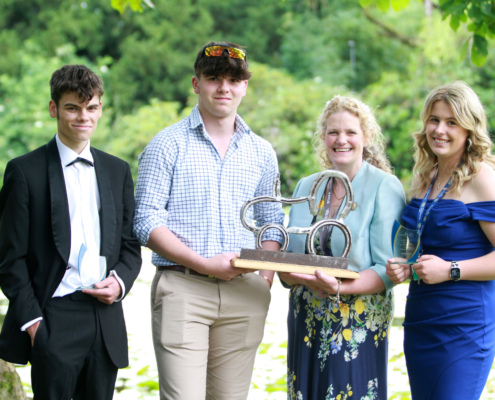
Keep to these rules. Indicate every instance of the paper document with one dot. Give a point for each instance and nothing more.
(92, 268)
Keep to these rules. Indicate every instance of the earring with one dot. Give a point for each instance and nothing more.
(470, 144)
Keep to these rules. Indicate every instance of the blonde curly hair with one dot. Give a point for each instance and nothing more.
(470, 115)
(373, 152)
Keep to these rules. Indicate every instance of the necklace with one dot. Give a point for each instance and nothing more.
(338, 198)
(438, 181)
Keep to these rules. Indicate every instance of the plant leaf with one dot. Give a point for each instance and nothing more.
(475, 13)
(454, 22)
(136, 5)
(479, 50)
(118, 5)
(457, 9)
(444, 3)
(398, 5)
(480, 45)
(472, 27)
(383, 5)
(366, 3)
(486, 8)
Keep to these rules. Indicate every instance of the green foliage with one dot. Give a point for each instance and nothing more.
(479, 16)
(280, 385)
(256, 24)
(157, 58)
(131, 133)
(24, 120)
(405, 395)
(92, 26)
(319, 45)
(384, 5)
(150, 54)
(149, 385)
(298, 50)
(479, 50)
(135, 5)
(398, 5)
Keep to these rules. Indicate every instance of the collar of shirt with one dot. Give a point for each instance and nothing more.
(67, 155)
(196, 121)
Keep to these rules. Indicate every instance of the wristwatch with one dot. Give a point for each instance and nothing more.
(455, 271)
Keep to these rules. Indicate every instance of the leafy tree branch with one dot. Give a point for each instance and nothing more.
(389, 31)
(479, 15)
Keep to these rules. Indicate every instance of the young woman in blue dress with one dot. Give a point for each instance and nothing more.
(449, 326)
(336, 351)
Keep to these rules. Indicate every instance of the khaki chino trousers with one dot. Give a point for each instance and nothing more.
(206, 332)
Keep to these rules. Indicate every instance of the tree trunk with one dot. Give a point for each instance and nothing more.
(10, 383)
(428, 7)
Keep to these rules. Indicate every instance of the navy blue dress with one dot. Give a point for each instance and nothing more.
(449, 328)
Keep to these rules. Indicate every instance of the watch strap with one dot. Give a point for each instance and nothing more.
(455, 271)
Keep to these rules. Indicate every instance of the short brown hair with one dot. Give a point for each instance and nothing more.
(75, 79)
(223, 65)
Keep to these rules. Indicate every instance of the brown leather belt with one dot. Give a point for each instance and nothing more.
(178, 268)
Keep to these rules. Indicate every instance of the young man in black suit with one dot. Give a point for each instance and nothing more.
(55, 199)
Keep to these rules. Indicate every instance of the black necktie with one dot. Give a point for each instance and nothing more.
(80, 159)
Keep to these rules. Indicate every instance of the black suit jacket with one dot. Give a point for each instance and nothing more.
(35, 243)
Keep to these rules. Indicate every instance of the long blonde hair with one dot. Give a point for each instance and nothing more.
(373, 153)
(470, 115)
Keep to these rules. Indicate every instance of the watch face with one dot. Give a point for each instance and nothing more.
(455, 273)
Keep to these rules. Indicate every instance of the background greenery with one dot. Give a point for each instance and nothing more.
(299, 51)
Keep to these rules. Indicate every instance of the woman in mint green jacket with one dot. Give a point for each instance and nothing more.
(338, 350)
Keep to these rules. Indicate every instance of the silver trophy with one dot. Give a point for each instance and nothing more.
(300, 263)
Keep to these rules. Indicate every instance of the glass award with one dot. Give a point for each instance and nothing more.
(405, 244)
(92, 268)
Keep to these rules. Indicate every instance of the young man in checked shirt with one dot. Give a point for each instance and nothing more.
(194, 177)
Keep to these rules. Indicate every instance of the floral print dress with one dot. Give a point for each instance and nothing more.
(337, 351)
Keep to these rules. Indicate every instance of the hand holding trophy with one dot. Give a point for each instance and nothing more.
(406, 246)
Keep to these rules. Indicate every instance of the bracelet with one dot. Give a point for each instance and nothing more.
(268, 280)
(336, 298)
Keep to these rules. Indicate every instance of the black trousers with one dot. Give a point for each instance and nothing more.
(69, 358)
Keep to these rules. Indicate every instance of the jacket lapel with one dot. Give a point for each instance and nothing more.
(107, 210)
(59, 203)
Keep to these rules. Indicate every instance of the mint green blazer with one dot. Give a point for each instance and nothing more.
(380, 200)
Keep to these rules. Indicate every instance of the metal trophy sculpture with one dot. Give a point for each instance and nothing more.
(300, 263)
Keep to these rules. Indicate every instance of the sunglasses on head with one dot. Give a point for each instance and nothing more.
(216, 51)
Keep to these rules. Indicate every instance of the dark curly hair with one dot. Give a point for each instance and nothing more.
(75, 79)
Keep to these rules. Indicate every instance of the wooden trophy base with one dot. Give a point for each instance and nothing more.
(291, 262)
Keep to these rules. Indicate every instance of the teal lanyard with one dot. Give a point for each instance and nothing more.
(422, 219)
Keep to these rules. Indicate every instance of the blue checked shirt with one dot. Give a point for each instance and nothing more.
(184, 184)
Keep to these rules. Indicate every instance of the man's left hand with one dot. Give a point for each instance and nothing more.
(108, 290)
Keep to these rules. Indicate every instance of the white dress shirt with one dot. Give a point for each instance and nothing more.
(84, 205)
